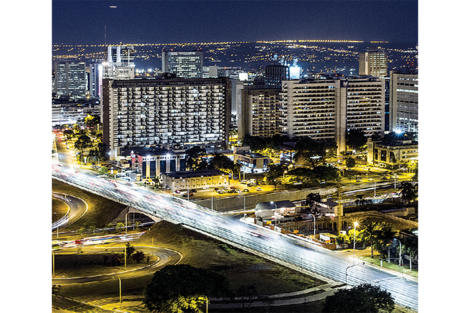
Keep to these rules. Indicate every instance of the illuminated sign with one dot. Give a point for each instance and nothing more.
(294, 72)
(243, 76)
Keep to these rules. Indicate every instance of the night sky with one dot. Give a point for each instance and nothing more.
(178, 21)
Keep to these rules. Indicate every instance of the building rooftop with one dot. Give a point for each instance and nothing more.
(144, 151)
(274, 205)
(250, 154)
(199, 173)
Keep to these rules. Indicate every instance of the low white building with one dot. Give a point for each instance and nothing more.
(201, 179)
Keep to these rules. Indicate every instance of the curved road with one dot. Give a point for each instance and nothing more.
(165, 257)
(273, 245)
(77, 208)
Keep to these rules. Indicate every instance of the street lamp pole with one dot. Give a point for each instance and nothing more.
(53, 263)
(57, 218)
(126, 221)
(399, 258)
(314, 228)
(354, 247)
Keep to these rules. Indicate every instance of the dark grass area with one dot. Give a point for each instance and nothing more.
(60, 208)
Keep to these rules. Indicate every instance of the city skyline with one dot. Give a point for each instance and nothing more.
(84, 22)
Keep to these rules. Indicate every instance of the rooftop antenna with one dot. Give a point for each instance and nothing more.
(105, 47)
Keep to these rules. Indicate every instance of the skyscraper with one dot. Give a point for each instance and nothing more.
(374, 63)
(325, 109)
(404, 101)
(185, 64)
(166, 111)
(70, 79)
(274, 74)
(259, 112)
(120, 63)
(95, 73)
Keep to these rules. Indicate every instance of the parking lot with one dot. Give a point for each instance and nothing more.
(235, 188)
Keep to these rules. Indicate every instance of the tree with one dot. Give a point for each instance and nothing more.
(138, 256)
(183, 288)
(324, 173)
(81, 230)
(408, 192)
(370, 233)
(120, 227)
(193, 157)
(275, 172)
(313, 197)
(356, 139)
(350, 162)
(360, 299)
(236, 168)
(115, 259)
(306, 148)
(92, 229)
(221, 162)
(92, 120)
(129, 250)
(385, 236)
(56, 289)
(83, 141)
(410, 246)
(103, 170)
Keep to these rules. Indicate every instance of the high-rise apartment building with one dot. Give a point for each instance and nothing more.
(166, 111)
(374, 63)
(404, 101)
(325, 109)
(185, 64)
(259, 112)
(70, 79)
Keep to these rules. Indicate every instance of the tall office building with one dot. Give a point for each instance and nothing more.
(374, 63)
(325, 109)
(166, 111)
(95, 77)
(120, 63)
(70, 79)
(259, 112)
(404, 101)
(274, 74)
(185, 64)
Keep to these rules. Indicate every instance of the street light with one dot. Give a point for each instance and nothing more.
(354, 247)
(57, 218)
(399, 258)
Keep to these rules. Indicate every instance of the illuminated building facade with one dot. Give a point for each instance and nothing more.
(404, 101)
(274, 74)
(70, 79)
(392, 155)
(166, 111)
(185, 64)
(374, 63)
(73, 112)
(120, 63)
(181, 181)
(325, 109)
(259, 112)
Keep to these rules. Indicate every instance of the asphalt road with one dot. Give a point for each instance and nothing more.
(282, 247)
(78, 208)
(166, 257)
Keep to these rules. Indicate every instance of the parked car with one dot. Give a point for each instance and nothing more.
(243, 182)
(246, 190)
(259, 189)
(193, 190)
(232, 191)
(220, 191)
